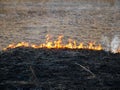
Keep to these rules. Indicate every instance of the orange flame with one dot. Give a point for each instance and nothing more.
(58, 44)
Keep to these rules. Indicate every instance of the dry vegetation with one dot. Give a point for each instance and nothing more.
(30, 22)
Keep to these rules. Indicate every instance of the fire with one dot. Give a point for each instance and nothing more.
(58, 44)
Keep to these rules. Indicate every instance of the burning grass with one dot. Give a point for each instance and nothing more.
(43, 68)
(114, 46)
(58, 44)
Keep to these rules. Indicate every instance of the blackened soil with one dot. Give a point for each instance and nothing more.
(58, 69)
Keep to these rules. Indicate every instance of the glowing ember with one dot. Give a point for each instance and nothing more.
(58, 44)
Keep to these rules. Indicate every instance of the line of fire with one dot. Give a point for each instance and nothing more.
(58, 44)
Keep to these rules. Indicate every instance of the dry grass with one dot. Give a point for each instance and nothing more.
(31, 22)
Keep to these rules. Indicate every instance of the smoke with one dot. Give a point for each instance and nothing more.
(111, 45)
(105, 42)
(115, 44)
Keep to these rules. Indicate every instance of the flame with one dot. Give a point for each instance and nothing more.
(58, 44)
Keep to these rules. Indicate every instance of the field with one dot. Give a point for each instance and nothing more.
(58, 69)
(83, 21)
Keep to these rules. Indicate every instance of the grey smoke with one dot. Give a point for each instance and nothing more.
(115, 44)
(111, 45)
(105, 42)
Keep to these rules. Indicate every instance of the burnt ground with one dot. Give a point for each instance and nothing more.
(58, 69)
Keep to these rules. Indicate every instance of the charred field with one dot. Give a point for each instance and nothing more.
(58, 69)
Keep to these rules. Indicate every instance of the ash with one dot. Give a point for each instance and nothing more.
(58, 69)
